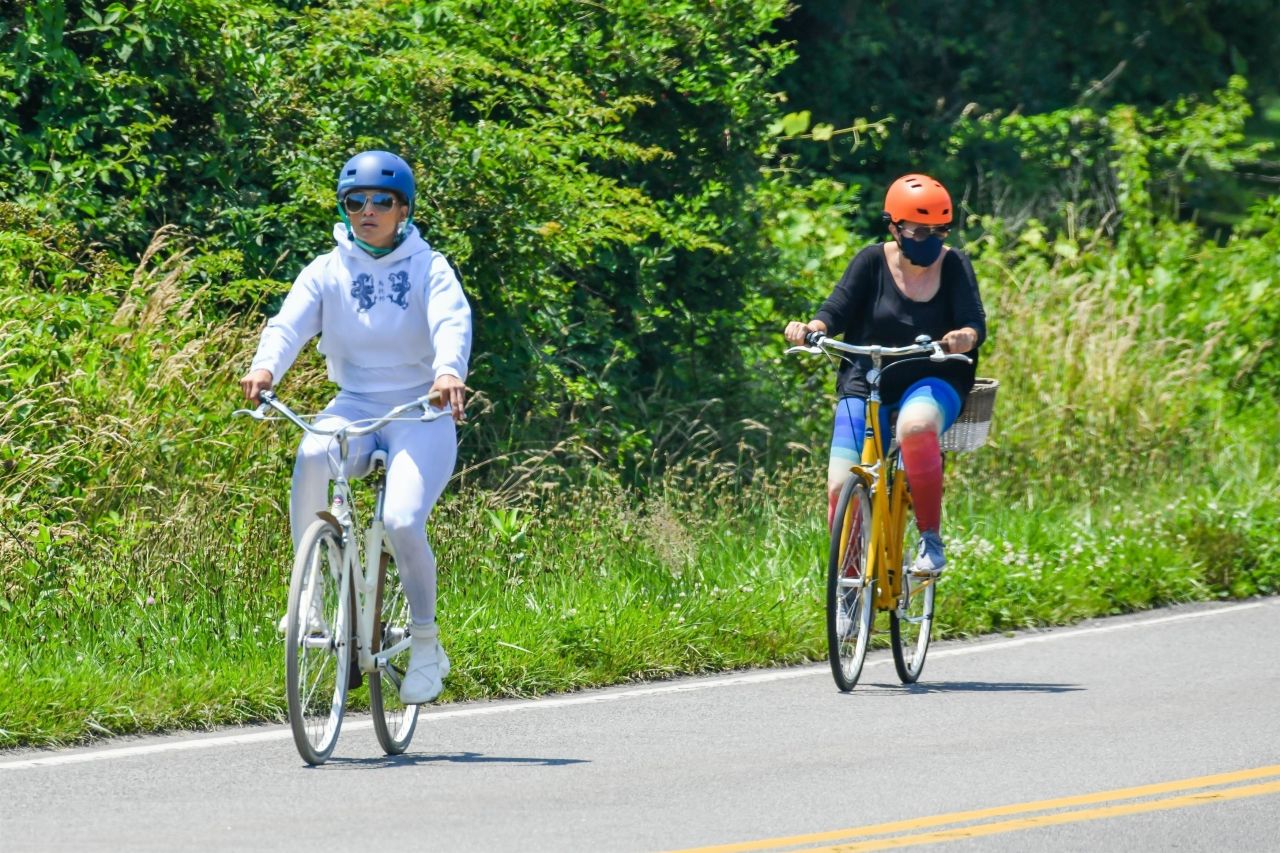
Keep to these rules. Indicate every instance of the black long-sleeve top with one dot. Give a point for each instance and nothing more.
(868, 307)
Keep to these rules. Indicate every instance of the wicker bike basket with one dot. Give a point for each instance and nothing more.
(970, 430)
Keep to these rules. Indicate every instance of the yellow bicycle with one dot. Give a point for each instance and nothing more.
(873, 531)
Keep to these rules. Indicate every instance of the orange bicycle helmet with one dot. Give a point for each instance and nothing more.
(918, 198)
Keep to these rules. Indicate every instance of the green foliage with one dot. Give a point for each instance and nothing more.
(585, 168)
(1008, 103)
(120, 116)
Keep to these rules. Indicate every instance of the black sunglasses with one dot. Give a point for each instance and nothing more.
(382, 202)
(923, 232)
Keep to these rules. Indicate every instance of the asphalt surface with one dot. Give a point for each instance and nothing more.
(1175, 702)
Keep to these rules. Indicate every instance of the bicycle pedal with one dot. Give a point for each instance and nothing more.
(385, 668)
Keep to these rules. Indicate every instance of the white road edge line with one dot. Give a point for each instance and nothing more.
(608, 695)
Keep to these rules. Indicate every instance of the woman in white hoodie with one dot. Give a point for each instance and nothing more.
(394, 326)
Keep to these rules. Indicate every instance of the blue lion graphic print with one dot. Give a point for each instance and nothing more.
(362, 291)
(368, 292)
(400, 289)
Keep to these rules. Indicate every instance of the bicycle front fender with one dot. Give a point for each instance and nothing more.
(868, 479)
(332, 520)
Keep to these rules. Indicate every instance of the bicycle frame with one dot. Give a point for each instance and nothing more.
(889, 502)
(363, 569)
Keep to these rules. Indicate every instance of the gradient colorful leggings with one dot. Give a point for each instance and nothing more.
(921, 456)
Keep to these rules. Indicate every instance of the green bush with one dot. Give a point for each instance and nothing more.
(1041, 70)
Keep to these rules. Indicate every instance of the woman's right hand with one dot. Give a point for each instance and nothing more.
(796, 332)
(255, 382)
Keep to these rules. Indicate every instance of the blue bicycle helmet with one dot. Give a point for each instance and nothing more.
(380, 170)
(377, 170)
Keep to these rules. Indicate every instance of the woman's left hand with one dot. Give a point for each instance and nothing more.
(960, 340)
(452, 392)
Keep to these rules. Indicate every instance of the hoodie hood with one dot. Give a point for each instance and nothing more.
(412, 244)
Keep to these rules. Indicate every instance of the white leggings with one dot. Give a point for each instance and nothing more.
(420, 459)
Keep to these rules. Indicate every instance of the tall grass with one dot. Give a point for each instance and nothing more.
(581, 589)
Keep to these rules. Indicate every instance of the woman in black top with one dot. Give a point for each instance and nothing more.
(891, 293)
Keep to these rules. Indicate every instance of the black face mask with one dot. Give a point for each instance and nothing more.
(921, 252)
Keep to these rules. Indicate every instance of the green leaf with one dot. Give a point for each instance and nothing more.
(794, 124)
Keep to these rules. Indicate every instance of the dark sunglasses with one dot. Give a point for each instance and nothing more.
(923, 232)
(356, 201)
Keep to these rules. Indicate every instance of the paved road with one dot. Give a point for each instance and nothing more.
(1181, 705)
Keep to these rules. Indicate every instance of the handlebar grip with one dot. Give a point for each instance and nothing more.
(812, 338)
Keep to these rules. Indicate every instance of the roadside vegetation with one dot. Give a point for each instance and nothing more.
(635, 214)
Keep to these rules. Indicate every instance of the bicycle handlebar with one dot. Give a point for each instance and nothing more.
(818, 342)
(271, 401)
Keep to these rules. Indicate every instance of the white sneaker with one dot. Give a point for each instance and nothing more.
(930, 559)
(428, 666)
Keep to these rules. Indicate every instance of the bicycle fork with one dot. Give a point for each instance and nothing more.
(886, 548)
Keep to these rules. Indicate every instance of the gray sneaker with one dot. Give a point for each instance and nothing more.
(930, 559)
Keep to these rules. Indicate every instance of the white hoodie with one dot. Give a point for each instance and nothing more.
(386, 323)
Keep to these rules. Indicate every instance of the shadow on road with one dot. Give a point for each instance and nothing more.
(977, 687)
(452, 758)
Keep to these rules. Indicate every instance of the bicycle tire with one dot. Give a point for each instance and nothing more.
(911, 621)
(317, 643)
(850, 590)
(393, 721)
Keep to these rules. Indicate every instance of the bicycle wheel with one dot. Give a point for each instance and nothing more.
(393, 721)
(850, 590)
(911, 622)
(317, 643)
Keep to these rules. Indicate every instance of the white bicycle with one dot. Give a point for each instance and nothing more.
(342, 570)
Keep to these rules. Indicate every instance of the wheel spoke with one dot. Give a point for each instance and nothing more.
(850, 593)
(911, 623)
(317, 657)
(393, 722)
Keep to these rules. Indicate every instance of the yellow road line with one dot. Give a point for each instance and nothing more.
(996, 811)
(1203, 798)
